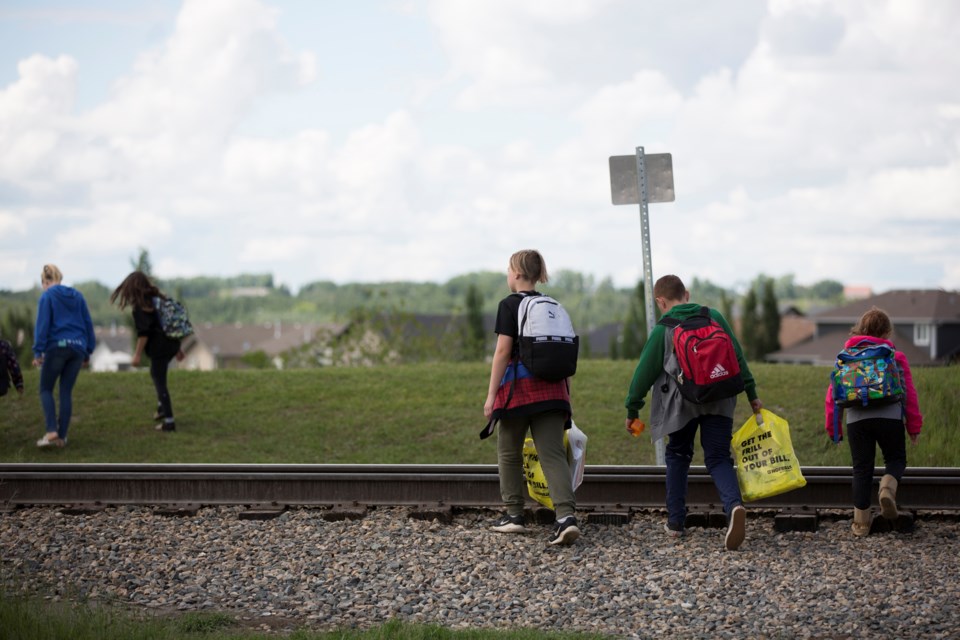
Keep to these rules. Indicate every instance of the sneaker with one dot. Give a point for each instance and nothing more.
(166, 426)
(565, 531)
(47, 441)
(510, 524)
(673, 529)
(736, 529)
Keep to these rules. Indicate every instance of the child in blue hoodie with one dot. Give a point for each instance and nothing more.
(63, 340)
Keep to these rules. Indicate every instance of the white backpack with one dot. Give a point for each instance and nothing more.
(548, 344)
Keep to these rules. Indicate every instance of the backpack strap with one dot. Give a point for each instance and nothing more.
(667, 321)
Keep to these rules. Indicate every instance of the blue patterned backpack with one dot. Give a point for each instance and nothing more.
(866, 374)
(173, 318)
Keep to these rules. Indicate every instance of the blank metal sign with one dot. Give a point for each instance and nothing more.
(623, 178)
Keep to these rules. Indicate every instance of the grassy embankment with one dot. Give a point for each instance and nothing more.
(416, 414)
(403, 414)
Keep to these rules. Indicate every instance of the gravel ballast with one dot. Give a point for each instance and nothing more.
(629, 581)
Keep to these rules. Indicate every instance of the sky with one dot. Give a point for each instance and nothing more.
(419, 140)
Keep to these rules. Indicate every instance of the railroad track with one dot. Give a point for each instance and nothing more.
(604, 487)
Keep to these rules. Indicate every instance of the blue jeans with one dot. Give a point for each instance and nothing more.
(63, 363)
(715, 434)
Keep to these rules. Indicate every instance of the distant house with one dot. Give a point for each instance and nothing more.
(218, 346)
(114, 348)
(926, 328)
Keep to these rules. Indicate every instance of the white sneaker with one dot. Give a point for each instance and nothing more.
(45, 441)
(737, 529)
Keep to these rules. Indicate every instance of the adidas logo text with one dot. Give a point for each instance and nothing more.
(718, 372)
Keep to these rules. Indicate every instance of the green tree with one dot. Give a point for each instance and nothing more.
(749, 325)
(142, 263)
(770, 321)
(827, 290)
(726, 306)
(635, 326)
(474, 335)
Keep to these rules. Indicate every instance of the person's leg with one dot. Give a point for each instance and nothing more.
(863, 449)
(891, 436)
(53, 363)
(159, 367)
(73, 363)
(510, 436)
(547, 432)
(678, 455)
(715, 434)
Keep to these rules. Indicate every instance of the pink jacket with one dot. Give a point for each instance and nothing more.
(911, 406)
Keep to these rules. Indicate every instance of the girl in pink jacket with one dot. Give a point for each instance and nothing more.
(873, 425)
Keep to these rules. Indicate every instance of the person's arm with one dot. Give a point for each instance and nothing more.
(88, 327)
(41, 330)
(138, 351)
(16, 375)
(911, 405)
(501, 358)
(645, 375)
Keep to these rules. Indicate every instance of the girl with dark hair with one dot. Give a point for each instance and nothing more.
(139, 293)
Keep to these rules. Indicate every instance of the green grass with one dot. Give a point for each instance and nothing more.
(35, 619)
(416, 414)
(413, 414)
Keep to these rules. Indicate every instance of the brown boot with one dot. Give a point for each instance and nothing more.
(888, 497)
(861, 522)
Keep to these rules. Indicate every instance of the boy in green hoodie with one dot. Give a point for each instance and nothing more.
(671, 414)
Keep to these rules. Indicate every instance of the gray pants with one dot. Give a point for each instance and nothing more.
(547, 431)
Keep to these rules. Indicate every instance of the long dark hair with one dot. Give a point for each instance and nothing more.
(136, 290)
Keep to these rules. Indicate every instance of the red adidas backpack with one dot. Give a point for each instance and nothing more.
(709, 369)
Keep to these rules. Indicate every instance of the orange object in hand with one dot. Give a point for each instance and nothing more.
(637, 426)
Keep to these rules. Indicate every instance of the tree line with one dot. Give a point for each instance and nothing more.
(592, 303)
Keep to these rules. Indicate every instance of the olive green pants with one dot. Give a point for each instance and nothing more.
(547, 431)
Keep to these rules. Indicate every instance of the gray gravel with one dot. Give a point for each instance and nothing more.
(627, 581)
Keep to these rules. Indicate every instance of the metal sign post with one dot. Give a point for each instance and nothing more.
(641, 179)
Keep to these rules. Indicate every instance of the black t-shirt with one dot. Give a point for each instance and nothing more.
(158, 344)
(507, 323)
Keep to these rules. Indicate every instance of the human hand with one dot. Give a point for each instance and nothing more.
(756, 405)
(181, 355)
(914, 438)
(635, 426)
(135, 360)
(488, 408)
(38, 362)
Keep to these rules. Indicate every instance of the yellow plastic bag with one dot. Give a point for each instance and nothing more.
(575, 442)
(764, 457)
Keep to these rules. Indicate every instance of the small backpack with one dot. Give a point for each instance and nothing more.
(866, 374)
(173, 318)
(708, 364)
(548, 345)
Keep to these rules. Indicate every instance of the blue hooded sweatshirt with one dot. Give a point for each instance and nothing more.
(63, 320)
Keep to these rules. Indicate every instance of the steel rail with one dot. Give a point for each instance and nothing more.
(609, 487)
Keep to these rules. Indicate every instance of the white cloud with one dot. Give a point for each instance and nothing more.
(782, 118)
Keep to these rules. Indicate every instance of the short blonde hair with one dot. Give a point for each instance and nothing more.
(51, 273)
(530, 265)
